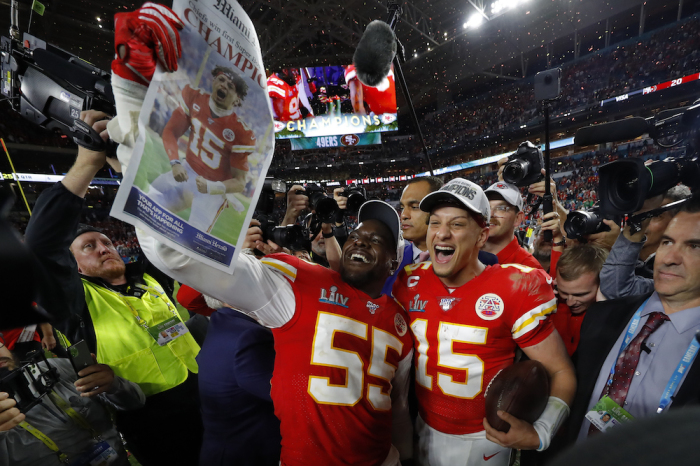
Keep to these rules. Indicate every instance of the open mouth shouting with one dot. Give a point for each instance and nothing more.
(359, 257)
(221, 94)
(443, 253)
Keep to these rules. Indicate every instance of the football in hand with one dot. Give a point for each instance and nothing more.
(521, 390)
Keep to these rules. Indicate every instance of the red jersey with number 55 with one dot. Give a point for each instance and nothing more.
(279, 89)
(334, 365)
(217, 142)
(462, 339)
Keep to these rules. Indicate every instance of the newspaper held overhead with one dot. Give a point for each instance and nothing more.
(206, 139)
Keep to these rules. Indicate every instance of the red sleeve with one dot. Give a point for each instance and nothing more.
(275, 87)
(530, 325)
(193, 300)
(176, 127)
(553, 263)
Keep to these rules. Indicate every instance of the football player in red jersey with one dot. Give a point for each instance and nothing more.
(282, 87)
(380, 99)
(343, 348)
(467, 320)
(216, 162)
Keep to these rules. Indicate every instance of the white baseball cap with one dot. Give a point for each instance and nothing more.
(385, 213)
(464, 192)
(509, 192)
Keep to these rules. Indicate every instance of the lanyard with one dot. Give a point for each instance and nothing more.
(62, 457)
(155, 293)
(684, 363)
(68, 411)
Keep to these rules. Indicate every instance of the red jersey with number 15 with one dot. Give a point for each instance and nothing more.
(334, 365)
(217, 142)
(462, 339)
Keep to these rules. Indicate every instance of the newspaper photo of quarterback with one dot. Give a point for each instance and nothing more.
(216, 161)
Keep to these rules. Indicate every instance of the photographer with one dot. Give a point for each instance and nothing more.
(297, 203)
(71, 422)
(629, 268)
(507, 214)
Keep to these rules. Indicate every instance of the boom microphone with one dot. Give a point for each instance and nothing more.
(621, 130)
(374, 53)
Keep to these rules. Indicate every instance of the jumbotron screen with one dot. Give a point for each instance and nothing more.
(329, 100)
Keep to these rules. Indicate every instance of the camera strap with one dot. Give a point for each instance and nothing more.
(71, 413)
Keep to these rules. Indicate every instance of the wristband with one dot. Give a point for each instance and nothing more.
(328, 235)
(175, 162)
(216, 187)
(548, 423)
(559, 243)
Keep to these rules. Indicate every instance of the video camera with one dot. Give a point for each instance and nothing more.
(524, 166)
(50, 86)
(580, 223)
(29, 383)
(626, 183)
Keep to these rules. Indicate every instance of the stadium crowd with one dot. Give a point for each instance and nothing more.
(369, 335)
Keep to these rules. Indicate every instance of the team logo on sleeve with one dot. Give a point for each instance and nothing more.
(416, 305)
(489, 306)
(446, 303)
(372, 307)
(400, 324)
(228, 135)
(333, 297)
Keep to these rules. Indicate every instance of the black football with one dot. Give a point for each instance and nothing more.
(521, 390)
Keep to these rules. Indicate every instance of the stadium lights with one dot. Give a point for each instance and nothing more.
(475, 20)
(499, 6)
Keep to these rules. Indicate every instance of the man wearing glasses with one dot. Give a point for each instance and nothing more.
(506, 215)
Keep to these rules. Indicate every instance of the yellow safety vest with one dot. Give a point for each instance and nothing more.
(127, 347)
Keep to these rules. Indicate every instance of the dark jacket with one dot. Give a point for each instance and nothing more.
(603, 324)
(49, 235)
(235, 369)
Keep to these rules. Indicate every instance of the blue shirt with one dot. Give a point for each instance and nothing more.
(668, 344)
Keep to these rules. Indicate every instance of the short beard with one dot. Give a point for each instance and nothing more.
(106, 273)
(358, 282)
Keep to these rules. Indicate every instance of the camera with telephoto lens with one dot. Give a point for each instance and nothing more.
(289, 236)
(324, 206)
(357, 195)
(580, 223)
(524, 166)
(626, 183)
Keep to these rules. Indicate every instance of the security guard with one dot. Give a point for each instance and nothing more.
(124, 313)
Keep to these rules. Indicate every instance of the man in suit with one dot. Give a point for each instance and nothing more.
(235, 368)
(655, 371)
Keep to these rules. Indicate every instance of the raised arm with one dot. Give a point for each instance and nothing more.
(255, 289)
